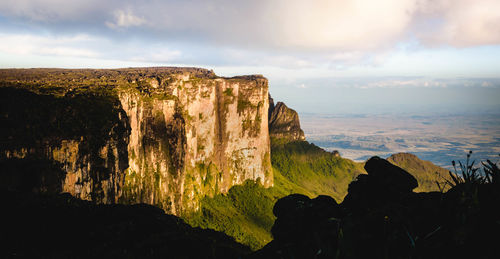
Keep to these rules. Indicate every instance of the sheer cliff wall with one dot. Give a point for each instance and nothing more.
(163, 136)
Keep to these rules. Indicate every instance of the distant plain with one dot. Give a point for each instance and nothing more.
(437, 138)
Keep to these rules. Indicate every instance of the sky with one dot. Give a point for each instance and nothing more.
(322, 56)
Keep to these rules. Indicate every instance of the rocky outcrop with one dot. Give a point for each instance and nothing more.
(162, 136)
(284, 123)
(304, 228)
(426, 173)
(385, 174)
(384, 182)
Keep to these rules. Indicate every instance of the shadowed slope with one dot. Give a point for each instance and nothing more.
(60, 226)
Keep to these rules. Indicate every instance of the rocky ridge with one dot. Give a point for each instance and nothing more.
(284, 123)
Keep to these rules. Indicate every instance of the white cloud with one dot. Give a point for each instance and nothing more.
(408, 82)
(25, 44)
(459, 23)
(337, 26)
(125, 19)
(158, 55)
(328, 35)
(82, 45)
(51, 11)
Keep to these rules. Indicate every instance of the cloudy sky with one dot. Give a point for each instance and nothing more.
(324, 56)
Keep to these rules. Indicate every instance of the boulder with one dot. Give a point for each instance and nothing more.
(386, 175)
(290, 204)
(304, 228)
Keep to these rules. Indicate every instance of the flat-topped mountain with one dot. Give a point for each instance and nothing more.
(164, 136)
(182, 139)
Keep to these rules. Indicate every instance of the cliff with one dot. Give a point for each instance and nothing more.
(284, 123)
(162, 136)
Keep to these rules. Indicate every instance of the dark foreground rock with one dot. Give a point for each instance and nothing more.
(384, 183)
(60, 226)
(304, 228)
(381, 217)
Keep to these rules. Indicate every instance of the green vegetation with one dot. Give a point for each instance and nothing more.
(313, 168)
(243, 104)
(245, 212)
(426, 173)
(491, 172)
(471, 176)
(228, 92)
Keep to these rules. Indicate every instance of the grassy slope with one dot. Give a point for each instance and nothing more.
(426, 172)
(314, 169)
(245, 212)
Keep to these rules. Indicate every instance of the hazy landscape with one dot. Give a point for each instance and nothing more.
(437, 138)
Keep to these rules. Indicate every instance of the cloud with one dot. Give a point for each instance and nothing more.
(406, 82)
(52, 11)
(459, 23)
(25, 44)
(86, 46)
(331, 35)
(124, 19)
(299, 25)
(159, 55)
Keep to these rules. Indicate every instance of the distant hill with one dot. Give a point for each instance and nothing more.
(426, 172)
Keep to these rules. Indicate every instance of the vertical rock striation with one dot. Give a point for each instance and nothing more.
(204, 136)
(75, 143)
(163, 136)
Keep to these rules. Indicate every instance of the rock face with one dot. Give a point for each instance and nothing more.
(162, 136)
(284, 123)
(75, 143)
